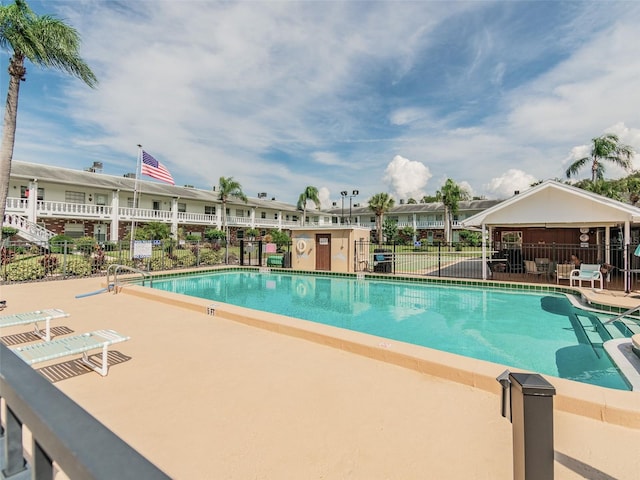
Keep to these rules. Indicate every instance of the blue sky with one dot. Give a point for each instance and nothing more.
(378, 96)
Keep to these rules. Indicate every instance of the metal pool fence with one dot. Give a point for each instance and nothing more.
(537, 263)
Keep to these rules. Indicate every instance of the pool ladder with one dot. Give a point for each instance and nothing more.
(116, 269)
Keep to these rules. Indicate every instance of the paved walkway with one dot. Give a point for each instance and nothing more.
(205, 397)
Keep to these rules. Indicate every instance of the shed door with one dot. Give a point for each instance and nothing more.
(323, 251)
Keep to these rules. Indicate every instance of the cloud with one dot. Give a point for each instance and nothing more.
(407, 178)
(512, 180)
(281, 95)
(325, 198)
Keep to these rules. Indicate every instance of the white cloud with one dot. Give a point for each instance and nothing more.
(407, 178)
(328, 158)
(281, 95)
(325, 197)
(510, 181)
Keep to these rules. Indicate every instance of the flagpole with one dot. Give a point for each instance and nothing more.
(135, 202)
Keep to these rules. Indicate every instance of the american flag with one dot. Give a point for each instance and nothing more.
(154, 169)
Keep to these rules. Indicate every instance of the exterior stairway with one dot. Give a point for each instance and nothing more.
(29, 231)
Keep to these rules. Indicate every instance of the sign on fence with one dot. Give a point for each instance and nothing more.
(142, 249)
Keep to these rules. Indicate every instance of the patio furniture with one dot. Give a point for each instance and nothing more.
(563, 271)
(586, 273)
(34, 317)
(66, 346)
(531, 268)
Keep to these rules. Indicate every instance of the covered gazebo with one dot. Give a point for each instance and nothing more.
(553, 210)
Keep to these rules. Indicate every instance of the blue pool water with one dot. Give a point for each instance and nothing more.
(538, 332)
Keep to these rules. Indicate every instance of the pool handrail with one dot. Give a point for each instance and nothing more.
(116, 269)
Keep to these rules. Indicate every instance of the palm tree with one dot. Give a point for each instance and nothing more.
(450, 195)
(45, 41)
(228, 187)
(380, 203)
(605, 147)
(310, 193)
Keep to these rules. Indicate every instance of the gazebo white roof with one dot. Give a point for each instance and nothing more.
(554, 204)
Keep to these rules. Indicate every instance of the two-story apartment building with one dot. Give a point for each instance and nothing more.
(426, 219)
(45, 200)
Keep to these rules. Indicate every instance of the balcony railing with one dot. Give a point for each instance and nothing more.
(50, 209)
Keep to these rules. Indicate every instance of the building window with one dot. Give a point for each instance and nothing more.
(130, 202)
(74, 197)
(101, 199)
(24, 189)
(240, 234)
(209, 210)
(372, 219)
(263, 214)
(74, 230)
(182, 207)
(155, 205)
(239, 212)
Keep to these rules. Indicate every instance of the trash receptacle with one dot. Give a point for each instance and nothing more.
(382, 260)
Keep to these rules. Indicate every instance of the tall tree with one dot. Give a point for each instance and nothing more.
(604, 148)
(310, 194)
(228, 187)
(380, 203)
(46, 42)
(450, 195)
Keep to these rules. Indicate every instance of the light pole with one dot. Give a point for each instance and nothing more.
(343, 194)
(353, 194)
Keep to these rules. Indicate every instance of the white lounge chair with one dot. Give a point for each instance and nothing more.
(65, 346)
(586, 273)
(34, 317)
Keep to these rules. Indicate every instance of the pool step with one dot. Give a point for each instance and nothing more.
(590, 327)
(620, 327)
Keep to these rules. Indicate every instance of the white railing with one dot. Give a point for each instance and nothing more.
(28, 230)
(128, 213)
(16, 205)
(79, 210)
(197, 218)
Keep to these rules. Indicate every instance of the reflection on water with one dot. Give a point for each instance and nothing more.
(529, 331)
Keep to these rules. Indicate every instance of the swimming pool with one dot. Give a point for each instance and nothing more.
(541, 332)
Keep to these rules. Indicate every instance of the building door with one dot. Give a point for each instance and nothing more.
(323, 251)
(100, 232)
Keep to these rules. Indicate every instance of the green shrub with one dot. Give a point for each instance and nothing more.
(160, 263)
(210, 257)
(77, 266)
(23, 271)
(186, 259)
(57, 243)
(8, 232)
(214, 234)
(86, 245)
(109, 246)
(280, 238)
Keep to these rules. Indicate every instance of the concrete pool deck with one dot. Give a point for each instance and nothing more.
(215, 397)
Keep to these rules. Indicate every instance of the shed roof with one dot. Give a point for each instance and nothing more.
(555, 204)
